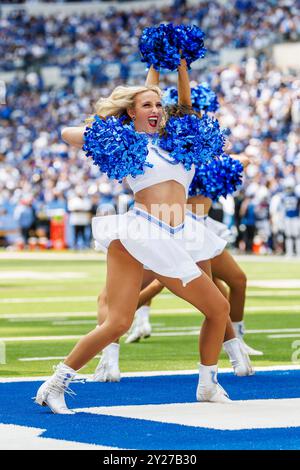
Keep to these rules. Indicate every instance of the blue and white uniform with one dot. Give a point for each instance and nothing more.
(291, 209)
(166, 250)
(290, 204)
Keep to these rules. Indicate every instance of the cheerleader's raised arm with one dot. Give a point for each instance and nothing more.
(152, 77)
(184, 89)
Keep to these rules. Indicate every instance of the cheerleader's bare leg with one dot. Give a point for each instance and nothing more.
(122, 299)
(205, 297)
(124, 280)
(108, 369)
(225, 268)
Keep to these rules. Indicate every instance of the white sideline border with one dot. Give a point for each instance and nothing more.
(155, 373)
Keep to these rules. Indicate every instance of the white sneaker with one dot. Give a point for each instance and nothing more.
(215, 394)
(238, 357)
(52, 392)
(250, 351)
(107, 371)
(139, 331)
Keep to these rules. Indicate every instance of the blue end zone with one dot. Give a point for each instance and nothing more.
(18, 408)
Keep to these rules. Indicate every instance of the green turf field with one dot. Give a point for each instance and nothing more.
(50, 298)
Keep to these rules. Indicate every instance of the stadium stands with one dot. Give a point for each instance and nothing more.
(90, 54)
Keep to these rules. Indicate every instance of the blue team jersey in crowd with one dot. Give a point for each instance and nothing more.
(291, 205)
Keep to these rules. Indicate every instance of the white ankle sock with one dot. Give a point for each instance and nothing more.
(64, 367)
(112, 351)
(208, 375)
(143, 313)
(239, 328)
(232, 347)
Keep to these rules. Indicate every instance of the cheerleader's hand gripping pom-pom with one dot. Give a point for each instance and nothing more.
(191, 42)
(217, 178)
(203, 98)
(193, 140)
(115, 148)
(159, 47)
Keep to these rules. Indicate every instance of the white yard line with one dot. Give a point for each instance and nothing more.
(44, 316)
(53, 256)
(39, 338)
(37, 300)
(164, 296)
(277, 308)
(273, 293)
(284, 336)
(13, 437)
(162, 332)
(156, 373)
(49, 358)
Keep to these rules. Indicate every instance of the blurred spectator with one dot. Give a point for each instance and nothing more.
(25, 217)
(247, 213)
(80, 209)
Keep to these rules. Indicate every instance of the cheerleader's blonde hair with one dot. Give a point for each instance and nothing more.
(121, 99)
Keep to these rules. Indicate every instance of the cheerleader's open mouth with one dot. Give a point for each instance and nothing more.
(153, 120)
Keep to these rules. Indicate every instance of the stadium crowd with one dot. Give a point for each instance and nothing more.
(86, 42)
(41, 177)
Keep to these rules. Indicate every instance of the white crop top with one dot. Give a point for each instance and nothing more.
(164, 169)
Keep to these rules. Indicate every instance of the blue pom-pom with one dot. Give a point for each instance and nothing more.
(193, 140)
(159, 47)
(170, 96)
(191, 42)
(115, 148)
(203, 98)
(219, 177)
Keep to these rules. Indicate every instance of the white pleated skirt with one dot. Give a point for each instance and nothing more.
(220, 229)
(165, 250)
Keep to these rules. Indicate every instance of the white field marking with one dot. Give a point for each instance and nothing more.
(274, 293)
(193, 331)
(250, 293)
(246, 414)
(53, 256)
(13, 437)
(62, 316)
(74, 322)
(275, 283)
(155, 373)
(92, 298)
(49, 358)
(295, 335)
(38, 300)
(44, 316)
(90, 322)
(274, 308)
(21, 339)
(41, 275)
(39, 338)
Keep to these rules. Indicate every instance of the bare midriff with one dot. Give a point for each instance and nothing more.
(166, 201)
(199, 205)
